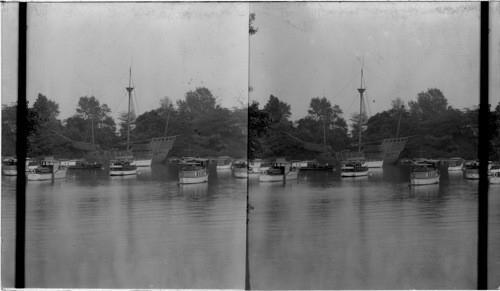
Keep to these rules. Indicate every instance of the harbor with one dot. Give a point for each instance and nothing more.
(424, 236)
(249, 146)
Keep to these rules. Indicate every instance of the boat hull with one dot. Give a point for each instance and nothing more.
(495, 178)
(224, 167)
(142, 163)
(374, 164)
(60, 174)
(472, 174)
(118, 172)
(424, 181)
(354, 174)
(240, 173)
(292, 175)
(9, 170)
(455, 168)
(193, 180)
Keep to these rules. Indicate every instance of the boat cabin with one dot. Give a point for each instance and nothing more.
(224, 160)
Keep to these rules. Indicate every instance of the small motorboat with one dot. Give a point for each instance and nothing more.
(455, 164)
(280, 171)
(425, 173)
(47, 170)
(83, 165)
(240, 169)
(192, 171)
(122, 167)
(224, 163)
(353, 168)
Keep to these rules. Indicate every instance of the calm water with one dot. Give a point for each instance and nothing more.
(320, 232)
(95, 231)
(324, 232)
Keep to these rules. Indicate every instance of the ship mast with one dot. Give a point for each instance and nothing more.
(361, 90)
(129, 89)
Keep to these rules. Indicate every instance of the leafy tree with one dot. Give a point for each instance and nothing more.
(258, 123)
(90, 114)
(277, 110)
(356, 119)
(126, 118)
(42, 141)
(9, 129)
(428, 104)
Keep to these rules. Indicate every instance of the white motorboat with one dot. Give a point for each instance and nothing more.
(122, 167)
(240, 169)
(353, 168)
(280, 171)
(47, 170)
(425, 173)
(455, 164)
(193, 171)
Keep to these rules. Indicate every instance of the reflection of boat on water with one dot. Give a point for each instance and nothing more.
(224, 163)
(353, 168)
(455, 164)
(193, 171)
(280, 171)
(47, 170)
(240, 169)
(427, 190)
(194, 189)
(122, 167)
(425, 173)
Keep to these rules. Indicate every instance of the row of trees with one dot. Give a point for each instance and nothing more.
(203, 126)
(435, 128)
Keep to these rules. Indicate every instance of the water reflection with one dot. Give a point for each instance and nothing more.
(375, 232)
(145, 231)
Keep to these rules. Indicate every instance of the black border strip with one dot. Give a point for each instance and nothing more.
(484, 116)
(22, 111)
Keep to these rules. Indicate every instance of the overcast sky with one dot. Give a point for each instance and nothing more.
(302, 50)
(84, 49)
(305, 50)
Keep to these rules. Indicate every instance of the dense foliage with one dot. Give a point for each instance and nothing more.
(435, 129)
(204, 128)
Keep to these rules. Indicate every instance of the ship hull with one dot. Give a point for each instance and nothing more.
(154, 152)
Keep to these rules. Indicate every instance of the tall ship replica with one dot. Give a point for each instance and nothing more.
(143, 152)
(379, 153)
(375, 154)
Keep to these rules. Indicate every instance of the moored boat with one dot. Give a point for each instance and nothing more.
(280, 171)
(314, 165)
(240, 169)
(353, 168)
(122, 167)
(193, 171)
(224, 163)
(495, 178)
(471, 170)
(83, 165)
(455, 164)
(47, 170)
(425, 173)
(142, 162)
(9, 166)
(374, 164)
